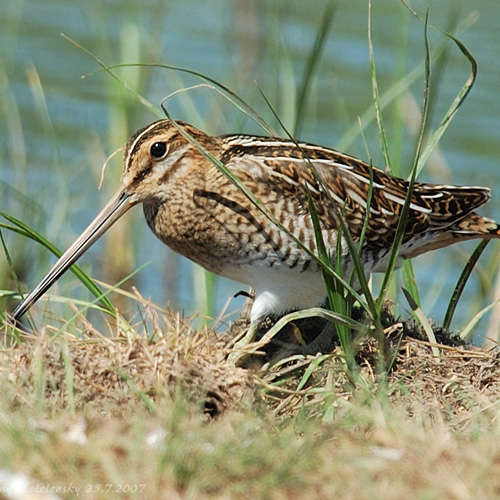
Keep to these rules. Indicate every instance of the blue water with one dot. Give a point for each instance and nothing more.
(54, 138)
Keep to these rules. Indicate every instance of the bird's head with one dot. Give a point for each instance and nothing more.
(154, 157)
(157, 157)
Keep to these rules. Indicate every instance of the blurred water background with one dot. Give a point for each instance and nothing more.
(56, 129)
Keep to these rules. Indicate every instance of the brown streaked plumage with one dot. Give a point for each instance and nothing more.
(198, 212)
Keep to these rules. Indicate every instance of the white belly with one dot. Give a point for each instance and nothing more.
(280, 289)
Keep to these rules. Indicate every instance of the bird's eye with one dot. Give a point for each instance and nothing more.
(158, 150)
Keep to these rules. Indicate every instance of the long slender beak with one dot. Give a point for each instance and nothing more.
(120, 203)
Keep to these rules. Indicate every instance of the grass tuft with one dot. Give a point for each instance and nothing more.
(173, 418)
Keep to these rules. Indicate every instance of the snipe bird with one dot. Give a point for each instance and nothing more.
(192, 207)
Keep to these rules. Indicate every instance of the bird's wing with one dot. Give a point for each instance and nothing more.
(275, 169)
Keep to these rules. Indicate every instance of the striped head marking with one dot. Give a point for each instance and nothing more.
(155, 155)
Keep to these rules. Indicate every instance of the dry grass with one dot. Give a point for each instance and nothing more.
(118, 374)
(172, 417)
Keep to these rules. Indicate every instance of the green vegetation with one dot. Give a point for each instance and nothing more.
(146, 406)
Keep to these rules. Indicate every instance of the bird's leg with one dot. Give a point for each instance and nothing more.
(256, 337)
(240, 351)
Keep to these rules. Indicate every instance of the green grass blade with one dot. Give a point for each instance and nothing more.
(403, 218)
(338, 301)
(312, 64)
(459, 99)
(22, 228)
(376, 95)
(310, 370)
(462, 280)
(369, 196)
(10, 263)
(410, 281)
(322, 252)
(424, 321)
(466, 331)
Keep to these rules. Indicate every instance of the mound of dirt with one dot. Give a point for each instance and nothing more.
(107, 375)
